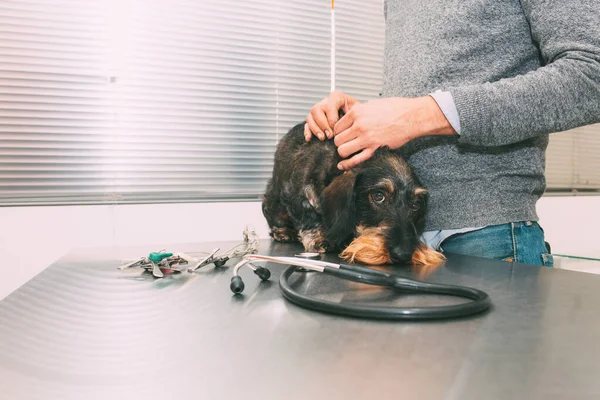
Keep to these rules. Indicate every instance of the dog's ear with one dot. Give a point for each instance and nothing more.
(338, 205)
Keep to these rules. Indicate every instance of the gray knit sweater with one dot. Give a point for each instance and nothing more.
(518, 70)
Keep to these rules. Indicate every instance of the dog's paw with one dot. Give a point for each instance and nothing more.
(367, 248)
(321, 247)
(314, 241)
(283, 234)
(425, 261)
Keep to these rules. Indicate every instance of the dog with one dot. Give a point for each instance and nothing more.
(373, 213)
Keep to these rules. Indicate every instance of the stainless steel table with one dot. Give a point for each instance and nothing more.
(81, 329)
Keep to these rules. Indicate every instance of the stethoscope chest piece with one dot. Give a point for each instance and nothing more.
(307, 256)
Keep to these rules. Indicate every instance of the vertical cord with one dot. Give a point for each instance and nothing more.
(277, 55)
(332, 46)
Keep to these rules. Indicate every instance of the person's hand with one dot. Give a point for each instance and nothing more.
(324, 115)
(386, 122)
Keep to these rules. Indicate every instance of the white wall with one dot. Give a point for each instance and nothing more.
(571, 224)
(31, 238)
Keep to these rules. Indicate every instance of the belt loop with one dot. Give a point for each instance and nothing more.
(514, 240)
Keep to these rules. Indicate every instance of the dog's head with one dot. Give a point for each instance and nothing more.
(376, 211)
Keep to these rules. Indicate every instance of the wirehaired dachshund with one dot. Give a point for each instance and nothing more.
(373, 213)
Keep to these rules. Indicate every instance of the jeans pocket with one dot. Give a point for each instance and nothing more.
(547, 260)
(546, 244)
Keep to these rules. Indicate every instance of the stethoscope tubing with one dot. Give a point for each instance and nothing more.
(480, 300)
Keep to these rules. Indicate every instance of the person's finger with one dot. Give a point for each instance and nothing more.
(344, 123)
(314, 128)
(318, 114)
(349, 102)
(356, 159)
(345, 136)
(349, 148)
(332, 113)
(307, 133)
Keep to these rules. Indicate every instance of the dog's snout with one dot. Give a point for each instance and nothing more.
(399, 254)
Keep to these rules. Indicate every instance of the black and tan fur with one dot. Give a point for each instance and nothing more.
(372, 214)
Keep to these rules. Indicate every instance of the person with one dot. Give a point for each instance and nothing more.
(472, 89)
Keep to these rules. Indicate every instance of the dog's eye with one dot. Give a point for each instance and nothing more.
(378, 197)
(414, 205)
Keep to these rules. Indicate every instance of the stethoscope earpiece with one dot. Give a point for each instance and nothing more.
(237, 284)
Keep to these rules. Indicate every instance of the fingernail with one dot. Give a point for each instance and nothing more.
(328, 133)
(340, 166)
(321, 136)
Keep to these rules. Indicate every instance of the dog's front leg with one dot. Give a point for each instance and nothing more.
(281, 226)
(313, 240)
(305, 210)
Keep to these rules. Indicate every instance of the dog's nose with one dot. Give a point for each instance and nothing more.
(400, 255)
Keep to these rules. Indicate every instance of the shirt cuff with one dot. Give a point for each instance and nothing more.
(446, 103)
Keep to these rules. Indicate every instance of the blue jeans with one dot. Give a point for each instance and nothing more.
(521, 242)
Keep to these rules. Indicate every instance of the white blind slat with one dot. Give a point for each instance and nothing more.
(573, 159)
(156, 100)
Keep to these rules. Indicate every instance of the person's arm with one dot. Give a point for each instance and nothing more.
(391, 121)
(561, 95)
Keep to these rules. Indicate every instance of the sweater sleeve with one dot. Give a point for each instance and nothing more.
(562, 94)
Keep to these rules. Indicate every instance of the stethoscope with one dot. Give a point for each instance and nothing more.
(480, 301)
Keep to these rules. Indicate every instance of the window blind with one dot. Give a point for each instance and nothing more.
(128, 101)
(166, 100)
(573, 161)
